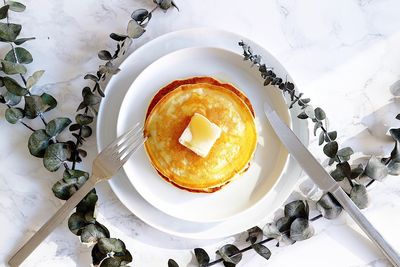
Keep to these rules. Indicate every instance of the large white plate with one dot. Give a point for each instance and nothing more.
(106, 133)
(270, 156)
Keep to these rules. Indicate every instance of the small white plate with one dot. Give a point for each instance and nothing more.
(106, 133)
(270, 156)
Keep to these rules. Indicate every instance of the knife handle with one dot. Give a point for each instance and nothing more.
(366, 225)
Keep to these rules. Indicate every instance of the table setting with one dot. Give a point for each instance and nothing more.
(171, 133)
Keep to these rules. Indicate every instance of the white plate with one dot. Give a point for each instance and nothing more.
(270, 156)
(106, 133)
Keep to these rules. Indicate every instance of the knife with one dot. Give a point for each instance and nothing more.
(325, 182)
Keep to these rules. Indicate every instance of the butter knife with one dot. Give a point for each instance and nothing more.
(325, 182)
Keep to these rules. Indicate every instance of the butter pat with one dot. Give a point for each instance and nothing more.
(200, 135)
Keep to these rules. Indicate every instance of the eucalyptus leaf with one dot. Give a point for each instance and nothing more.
(13, 115)
(11, 68)
(110, 262)
(71, 182)
(283, 224)
(34, 105)
(134, 30)
(270, 230)
(297, 209)
(253, 234)
(357, 171)
(97, 256)
(9, 31)
(108, 245)
(172, 263)
(301, 229)
(375, 169)
(317, 125)
(140, 15)
(49, 100)
(344, 168)
(20, 41)
(332, 136)
(16, 6)
(395, 133)
(57, 125)
(328, 206)
(91, 77)
(34, 78)
(105, 55)
(394, 167)
(262, 250)
(75, 223)
(83, 119)
(230, 254)
(118, 37)
(337, 174)
(88, 203)
(92, 233)
(14, 87)
(319, 114)
(321, 138)
(86, 131)
(4, 11)
(331, 148)
(23, 56)
(302, 116)
(201, 256)
(91, 99)
(38, 143)
(359, 196)
(345, 152)
(55, 156)
(11, 99)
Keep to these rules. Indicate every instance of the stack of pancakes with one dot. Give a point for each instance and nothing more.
(169, 113)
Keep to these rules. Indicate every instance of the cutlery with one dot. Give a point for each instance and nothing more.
(325, 182)
(105, 165)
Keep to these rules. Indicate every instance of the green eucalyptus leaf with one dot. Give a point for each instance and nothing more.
(297, 209)
(86, 131)
(110, 262)
(317, 125)
(253, 234)
(4, 11)
(283, 224)
(375, 169)
(395, 133)
(9, 31)
(108, 245)
(230, 254)
(16, 6)
(55, 155)
(57, 125)
(91, 99)
(34, 105)
(97, 256)
(332, 136)
(20, 41)
(83, 119)
(91, 77)
(359, 196)
(262, 250)
(49, 100)
(11, 68)
(172, 263)
(71, 182)
(105, 55)
(319, 114)
(134, 30)
(201, 256)
(321, 138)
(92, 233)
(345, 152)
(87, 206)
(23, 56)
(301, 229)
(38, 143)
(118, 37)
(394, 167)
(302, 116)
(13, 115)
(331, 148)
(14, 87)
(76, 222)
(337, 175)
(124, 257)
(166, 4)
(34, 78)
(357, 171)
(11, 99)
(328, 206)
(344, 168)
(140, 15)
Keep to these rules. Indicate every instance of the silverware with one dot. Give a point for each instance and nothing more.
(105, 165)
(325, 182)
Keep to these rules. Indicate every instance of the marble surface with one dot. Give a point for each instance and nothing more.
(343, 54)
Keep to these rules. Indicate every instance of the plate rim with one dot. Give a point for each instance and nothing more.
(199, 234)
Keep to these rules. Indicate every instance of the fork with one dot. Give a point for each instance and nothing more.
(105, 165)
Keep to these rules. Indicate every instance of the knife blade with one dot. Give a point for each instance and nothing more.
(325, 182)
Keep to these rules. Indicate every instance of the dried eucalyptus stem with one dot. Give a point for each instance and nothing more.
(295, 224)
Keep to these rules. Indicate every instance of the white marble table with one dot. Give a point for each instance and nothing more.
(343, 54)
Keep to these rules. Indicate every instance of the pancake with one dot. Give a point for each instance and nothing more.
(169, 113)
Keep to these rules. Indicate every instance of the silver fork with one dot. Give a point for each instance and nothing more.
(105, 165)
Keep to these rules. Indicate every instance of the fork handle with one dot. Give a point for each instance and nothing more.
(366, 226)
(52, 223)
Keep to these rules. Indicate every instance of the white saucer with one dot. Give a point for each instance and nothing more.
(270, 156)
(107, 121)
